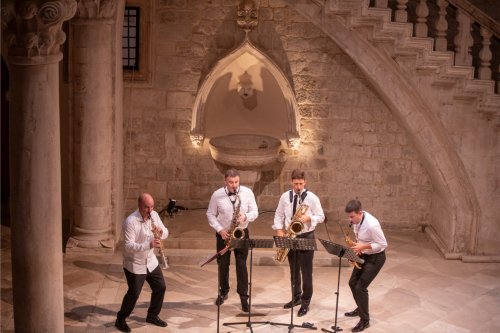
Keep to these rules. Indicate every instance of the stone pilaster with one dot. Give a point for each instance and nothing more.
(31, 42)
(93, 68)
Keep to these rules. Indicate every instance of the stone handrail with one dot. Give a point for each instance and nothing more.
(466, 53)
(478, 15)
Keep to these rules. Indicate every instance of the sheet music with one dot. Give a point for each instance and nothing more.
(341, 251)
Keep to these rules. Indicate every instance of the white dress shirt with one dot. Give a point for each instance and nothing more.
(220, 208)
(284, 212)
(370, 232)
(137, 235)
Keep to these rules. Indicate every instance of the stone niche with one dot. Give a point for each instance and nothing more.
(246, 109)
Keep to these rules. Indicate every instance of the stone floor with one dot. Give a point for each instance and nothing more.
(416, 291)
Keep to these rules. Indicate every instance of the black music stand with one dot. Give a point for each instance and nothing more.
(339, 251)
(295, 244)
(206, 261)
(218, 255)
(251, 244)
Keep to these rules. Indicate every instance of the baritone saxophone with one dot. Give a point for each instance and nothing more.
(293, 230)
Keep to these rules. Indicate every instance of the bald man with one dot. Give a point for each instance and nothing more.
(140, 263)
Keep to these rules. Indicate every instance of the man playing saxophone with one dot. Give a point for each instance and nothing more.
(139, 262)
(370, 245)
(231, 208)
(300, 261)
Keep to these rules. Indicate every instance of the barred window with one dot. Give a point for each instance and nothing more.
(131, 33)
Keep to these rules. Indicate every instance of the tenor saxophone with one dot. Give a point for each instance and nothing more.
(157, 235)
(293, 229)
(235, 232)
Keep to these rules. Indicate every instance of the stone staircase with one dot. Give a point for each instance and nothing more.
(417, 57)
(191, 240)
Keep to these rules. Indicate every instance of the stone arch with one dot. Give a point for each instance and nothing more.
(454, 198)
(199, 112)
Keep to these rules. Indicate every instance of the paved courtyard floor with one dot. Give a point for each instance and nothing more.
(416, 291)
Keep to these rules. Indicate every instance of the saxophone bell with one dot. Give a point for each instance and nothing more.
(293, 229)
(296, 227)
(238, 233)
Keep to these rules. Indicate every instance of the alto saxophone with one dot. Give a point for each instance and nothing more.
(294, 228)
(349, 243)
(157, 235)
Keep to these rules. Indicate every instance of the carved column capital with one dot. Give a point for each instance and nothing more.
(96, 9)
(32, 29)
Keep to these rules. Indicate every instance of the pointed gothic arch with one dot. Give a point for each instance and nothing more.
(248, 53)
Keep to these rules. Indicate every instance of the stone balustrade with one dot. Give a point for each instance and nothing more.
(457, 26)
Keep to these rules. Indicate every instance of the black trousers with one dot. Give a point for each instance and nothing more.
(241, 268)
(135, 282)
(361, 279)
(301, 270)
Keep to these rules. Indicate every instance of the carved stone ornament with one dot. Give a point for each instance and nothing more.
(247, 15)
(96, 9)
(196, 139)
(33, 28)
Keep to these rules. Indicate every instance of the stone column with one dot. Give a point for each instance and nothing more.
(31, 43)
(93, 74)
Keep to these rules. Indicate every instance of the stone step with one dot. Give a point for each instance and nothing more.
(260, 257)
(191, 240)
(208, 243)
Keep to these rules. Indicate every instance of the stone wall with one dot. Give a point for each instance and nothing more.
(352, 146)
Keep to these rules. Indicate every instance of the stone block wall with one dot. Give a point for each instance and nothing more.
(351, 145)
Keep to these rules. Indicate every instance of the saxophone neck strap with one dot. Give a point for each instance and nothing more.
(302, 195)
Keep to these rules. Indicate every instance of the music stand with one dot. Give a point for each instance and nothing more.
(251, 244)
(339, 251)
(218, 255)
(295, 244)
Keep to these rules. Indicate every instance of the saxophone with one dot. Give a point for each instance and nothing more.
(157, 235)
(234, 231)
(349, 243)
(294, 228)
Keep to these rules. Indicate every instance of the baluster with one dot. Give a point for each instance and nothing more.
(441, 27)
(463, 40)
(401, 14)
(381, 3)
(498, 82)
(485, 55)
(422, 13)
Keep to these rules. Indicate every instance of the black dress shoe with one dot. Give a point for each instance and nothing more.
(156, 321)
(294, 302)
(220, 300)
(122, 326)
(353, 313)
(303, 310)
(361, 325)
(244, 305)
